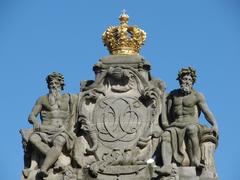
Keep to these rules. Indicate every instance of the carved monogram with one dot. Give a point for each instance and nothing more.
(118, 119)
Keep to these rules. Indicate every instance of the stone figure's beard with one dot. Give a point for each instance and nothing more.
(54, 95)
(186, 88)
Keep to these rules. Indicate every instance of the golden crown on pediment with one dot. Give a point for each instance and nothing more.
(123, 39)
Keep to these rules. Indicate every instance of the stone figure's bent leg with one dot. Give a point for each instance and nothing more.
(166, 150)
(193, 147)
(53, 154)
(92, 134)
(33, 164)
(36, 141)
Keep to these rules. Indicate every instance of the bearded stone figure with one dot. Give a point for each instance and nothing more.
(54, 134)
(183, 135)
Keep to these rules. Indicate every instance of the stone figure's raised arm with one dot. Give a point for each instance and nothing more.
(32, 118)
(202, 104)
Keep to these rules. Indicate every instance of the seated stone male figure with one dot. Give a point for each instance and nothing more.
(183, 107)
(54, 132)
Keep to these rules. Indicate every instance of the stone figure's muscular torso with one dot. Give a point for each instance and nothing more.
(56, 115)
(183, 107)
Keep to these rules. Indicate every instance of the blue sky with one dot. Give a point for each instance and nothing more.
(39, 37)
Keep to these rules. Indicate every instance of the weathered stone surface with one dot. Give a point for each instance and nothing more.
(183, 134)
(121, 126)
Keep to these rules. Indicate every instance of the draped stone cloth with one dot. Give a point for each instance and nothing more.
(177, 131)
(49, 134)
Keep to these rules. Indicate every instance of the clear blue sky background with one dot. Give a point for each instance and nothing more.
(38, 37)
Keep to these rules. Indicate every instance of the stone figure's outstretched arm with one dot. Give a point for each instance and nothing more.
(202, 104)
(32, 118)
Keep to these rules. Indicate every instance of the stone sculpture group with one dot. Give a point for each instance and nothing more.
(122, 125)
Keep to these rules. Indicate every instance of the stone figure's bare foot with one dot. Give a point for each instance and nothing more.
(89, 151)
(198, 165)
(42, 174)
(165, 170)
(25, 172)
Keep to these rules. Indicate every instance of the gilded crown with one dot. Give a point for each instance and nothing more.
(123, 39)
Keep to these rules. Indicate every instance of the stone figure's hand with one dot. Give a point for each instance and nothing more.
(214, 130)
(62, 128)
(165, 125)
(36, 126)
